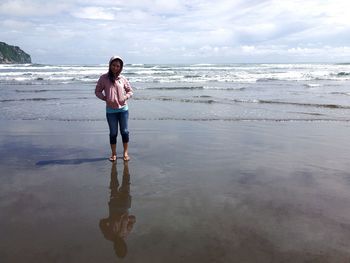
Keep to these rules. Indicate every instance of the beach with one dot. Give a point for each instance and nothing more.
(229, 163)
(200, 191)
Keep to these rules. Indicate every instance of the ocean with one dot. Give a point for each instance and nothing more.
(193, 92)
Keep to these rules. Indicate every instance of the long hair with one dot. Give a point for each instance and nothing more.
(111, 76)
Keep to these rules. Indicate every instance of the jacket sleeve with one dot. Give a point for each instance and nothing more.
(128, 89)
(99, 89)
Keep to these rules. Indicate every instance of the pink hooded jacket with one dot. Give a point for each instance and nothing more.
(115, 94)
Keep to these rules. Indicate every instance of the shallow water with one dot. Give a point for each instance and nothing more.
(229, 192)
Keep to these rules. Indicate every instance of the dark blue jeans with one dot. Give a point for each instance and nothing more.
(113, 119)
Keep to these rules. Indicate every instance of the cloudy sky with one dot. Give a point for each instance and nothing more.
(178, 31)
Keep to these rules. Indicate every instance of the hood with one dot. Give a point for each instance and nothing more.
(114, 58)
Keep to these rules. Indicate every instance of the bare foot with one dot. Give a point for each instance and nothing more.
(113, 158)
(126, 157)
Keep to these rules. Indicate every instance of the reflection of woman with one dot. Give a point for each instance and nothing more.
(119, 223)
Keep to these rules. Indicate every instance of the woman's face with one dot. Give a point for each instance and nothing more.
(116, 67)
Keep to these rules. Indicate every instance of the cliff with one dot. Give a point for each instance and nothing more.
(13, 55)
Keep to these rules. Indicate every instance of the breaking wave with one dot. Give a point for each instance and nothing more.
(197, 73)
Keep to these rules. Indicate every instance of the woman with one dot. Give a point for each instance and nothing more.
(115, 89)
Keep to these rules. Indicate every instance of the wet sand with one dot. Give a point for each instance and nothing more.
(212, 191)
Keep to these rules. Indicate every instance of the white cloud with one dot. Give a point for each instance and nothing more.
(93, 12)
(15, 25)
(248, 49)
(148, 30)
(26, 8)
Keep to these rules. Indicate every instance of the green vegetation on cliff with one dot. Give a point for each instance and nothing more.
(13, 54)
